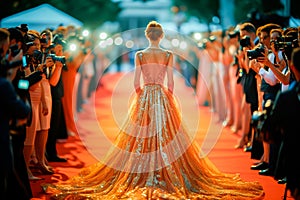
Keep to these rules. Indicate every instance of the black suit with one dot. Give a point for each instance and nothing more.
(11, 107)
(286, 116)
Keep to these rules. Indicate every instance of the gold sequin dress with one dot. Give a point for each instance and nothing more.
(154, 157)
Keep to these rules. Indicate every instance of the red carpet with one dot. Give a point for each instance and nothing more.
(99, 121)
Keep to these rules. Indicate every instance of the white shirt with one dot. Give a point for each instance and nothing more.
(268, 75)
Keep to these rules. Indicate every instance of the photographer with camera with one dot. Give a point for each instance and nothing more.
(247, 78)
(13, 116)
(57, 122)
(283, 121)
(284, 43)
(270, 86)
(18, 132)
(37, 131)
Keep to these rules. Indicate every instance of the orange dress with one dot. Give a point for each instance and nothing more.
(154, 157)
(70, 92)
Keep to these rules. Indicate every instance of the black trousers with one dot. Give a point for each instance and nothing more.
(20, 167)
(57, 120)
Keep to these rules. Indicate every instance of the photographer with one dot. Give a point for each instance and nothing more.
(283, 43)
(284, 119)
(13, 113)
(35, 135)
(57, 92)
(268, 89)
(270, 86)
(18, 132)
(247, 78)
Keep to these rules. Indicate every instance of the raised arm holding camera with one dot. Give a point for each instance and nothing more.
(248, 81)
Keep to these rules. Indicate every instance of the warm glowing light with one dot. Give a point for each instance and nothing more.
(118, 41)
(129, 44)
(103, 35)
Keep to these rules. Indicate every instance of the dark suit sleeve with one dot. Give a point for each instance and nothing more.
(14, 105)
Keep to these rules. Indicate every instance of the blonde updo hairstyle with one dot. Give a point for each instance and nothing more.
(154, 31)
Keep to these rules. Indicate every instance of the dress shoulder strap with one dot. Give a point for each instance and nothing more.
(168, 57)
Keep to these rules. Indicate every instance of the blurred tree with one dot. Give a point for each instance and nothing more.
(91, 12)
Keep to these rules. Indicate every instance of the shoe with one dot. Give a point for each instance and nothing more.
(282, 181)
(256, 163)
(71, 133)
(242, 143)
(56, 159)
(260, 166)
(227, 123)
(61, 140)
(266, 172)
(44, 169)
(31, 177)
(233, 129)
(248, 149)
(34, 178)
(238, 146)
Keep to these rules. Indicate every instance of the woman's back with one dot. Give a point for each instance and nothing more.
(154, 62)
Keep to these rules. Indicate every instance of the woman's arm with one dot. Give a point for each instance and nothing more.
(170, 73)
(283, 78)
(137, 73)
(55, 73)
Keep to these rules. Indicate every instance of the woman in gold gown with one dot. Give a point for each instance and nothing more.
(153, 157)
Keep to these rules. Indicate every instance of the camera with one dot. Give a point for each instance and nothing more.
(61, 59)
(54, 57)
(23, 84)
(14, 49)
(24, 61)
(283, 42)
(43, 40)
(256, 52)
(37, 57)
(245, 41)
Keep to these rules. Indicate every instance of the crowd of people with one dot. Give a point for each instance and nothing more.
(39, 73)
(241, 74)
(245, 69)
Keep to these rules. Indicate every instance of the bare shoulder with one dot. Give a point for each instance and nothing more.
(168, 52)
(139, 52)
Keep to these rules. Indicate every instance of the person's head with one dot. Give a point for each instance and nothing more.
(4, 41)
(154, 31)
(16, 40)
(59, 44)
(23, 28)
(61, 30)
(249, 29)
(46, 38)
(33, 41)
(275, 34)
(264, 36)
